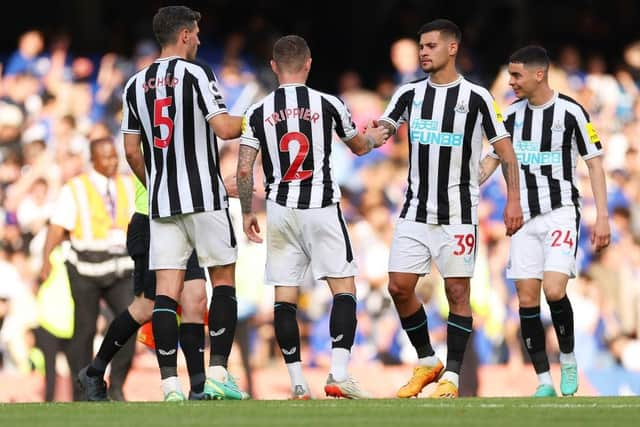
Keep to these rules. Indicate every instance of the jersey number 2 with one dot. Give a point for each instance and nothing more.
(161, 120)
(294, 172)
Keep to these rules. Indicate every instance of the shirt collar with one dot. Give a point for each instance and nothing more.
(546, 104)
(167, 58)
(99, 180)
(451, 84)
(291, 85)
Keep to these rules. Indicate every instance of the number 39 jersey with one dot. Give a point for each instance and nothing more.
(293, 127)
(169, 104)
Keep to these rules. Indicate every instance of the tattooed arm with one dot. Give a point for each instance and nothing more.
(510, 169)
(488, 165)
(244, 177)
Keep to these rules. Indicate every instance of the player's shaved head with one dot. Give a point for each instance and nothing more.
(531, 56)
(444, 26)
(290, 53)
(170, 20)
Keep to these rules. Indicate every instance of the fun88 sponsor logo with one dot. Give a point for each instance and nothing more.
(428, 132)
(527, 154)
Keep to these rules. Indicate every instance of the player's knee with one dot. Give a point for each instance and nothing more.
(554, 293)
(400, 291)
(457, 293)
(193, 307)
(141, 309)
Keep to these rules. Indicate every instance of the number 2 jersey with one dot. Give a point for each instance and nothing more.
(547, 140)
(293, 127)
(169, 104)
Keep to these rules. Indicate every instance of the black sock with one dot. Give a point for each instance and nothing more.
(119, 332)
(192, 344)
(223, 317)
(418, 332)
(534, 339)
(458, 331)
(562, 318)
(342, 321)
(165, 333)
(285, 325)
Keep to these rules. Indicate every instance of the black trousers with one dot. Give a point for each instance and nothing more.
(87, 293)
(50, 345)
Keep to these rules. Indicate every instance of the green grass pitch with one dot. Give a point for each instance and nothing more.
(495, 412)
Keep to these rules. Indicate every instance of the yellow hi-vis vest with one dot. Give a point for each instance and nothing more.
(98, 242)
(55, 303)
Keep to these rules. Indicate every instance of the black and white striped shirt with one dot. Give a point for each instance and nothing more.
(547, 139)
(293, 126)
(169, 104)
(445, 125)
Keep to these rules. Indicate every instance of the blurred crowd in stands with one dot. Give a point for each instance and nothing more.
(52, 103)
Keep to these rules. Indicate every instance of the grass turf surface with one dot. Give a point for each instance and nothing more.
(511, 412)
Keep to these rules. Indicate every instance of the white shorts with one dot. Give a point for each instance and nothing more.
(175, 237)
(452, 248)
(546, 242)
(297, 238)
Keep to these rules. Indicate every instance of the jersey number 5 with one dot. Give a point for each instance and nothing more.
(294, 172)
(161, 120)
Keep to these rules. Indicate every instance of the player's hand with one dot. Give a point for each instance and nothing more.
(251, 227)
(513, 217)
(380, 134)
(601, 234)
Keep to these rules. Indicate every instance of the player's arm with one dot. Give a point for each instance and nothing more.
(513, 211)
(244, 178)
(359, 143)
(133, 153)
(131, 129)
(488, 165)
(590, 149)
(396, 112)
(497, 135)
(226, 126)
(601, 233)
(249, 146)
(223, 124)
(374, 136)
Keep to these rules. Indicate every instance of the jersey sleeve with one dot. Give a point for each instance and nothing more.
(586, 137)
(344, 125)
(492, 121)
(210, 92)
(397, 111)
(248, 136)
(130, 120)
(508, 124)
